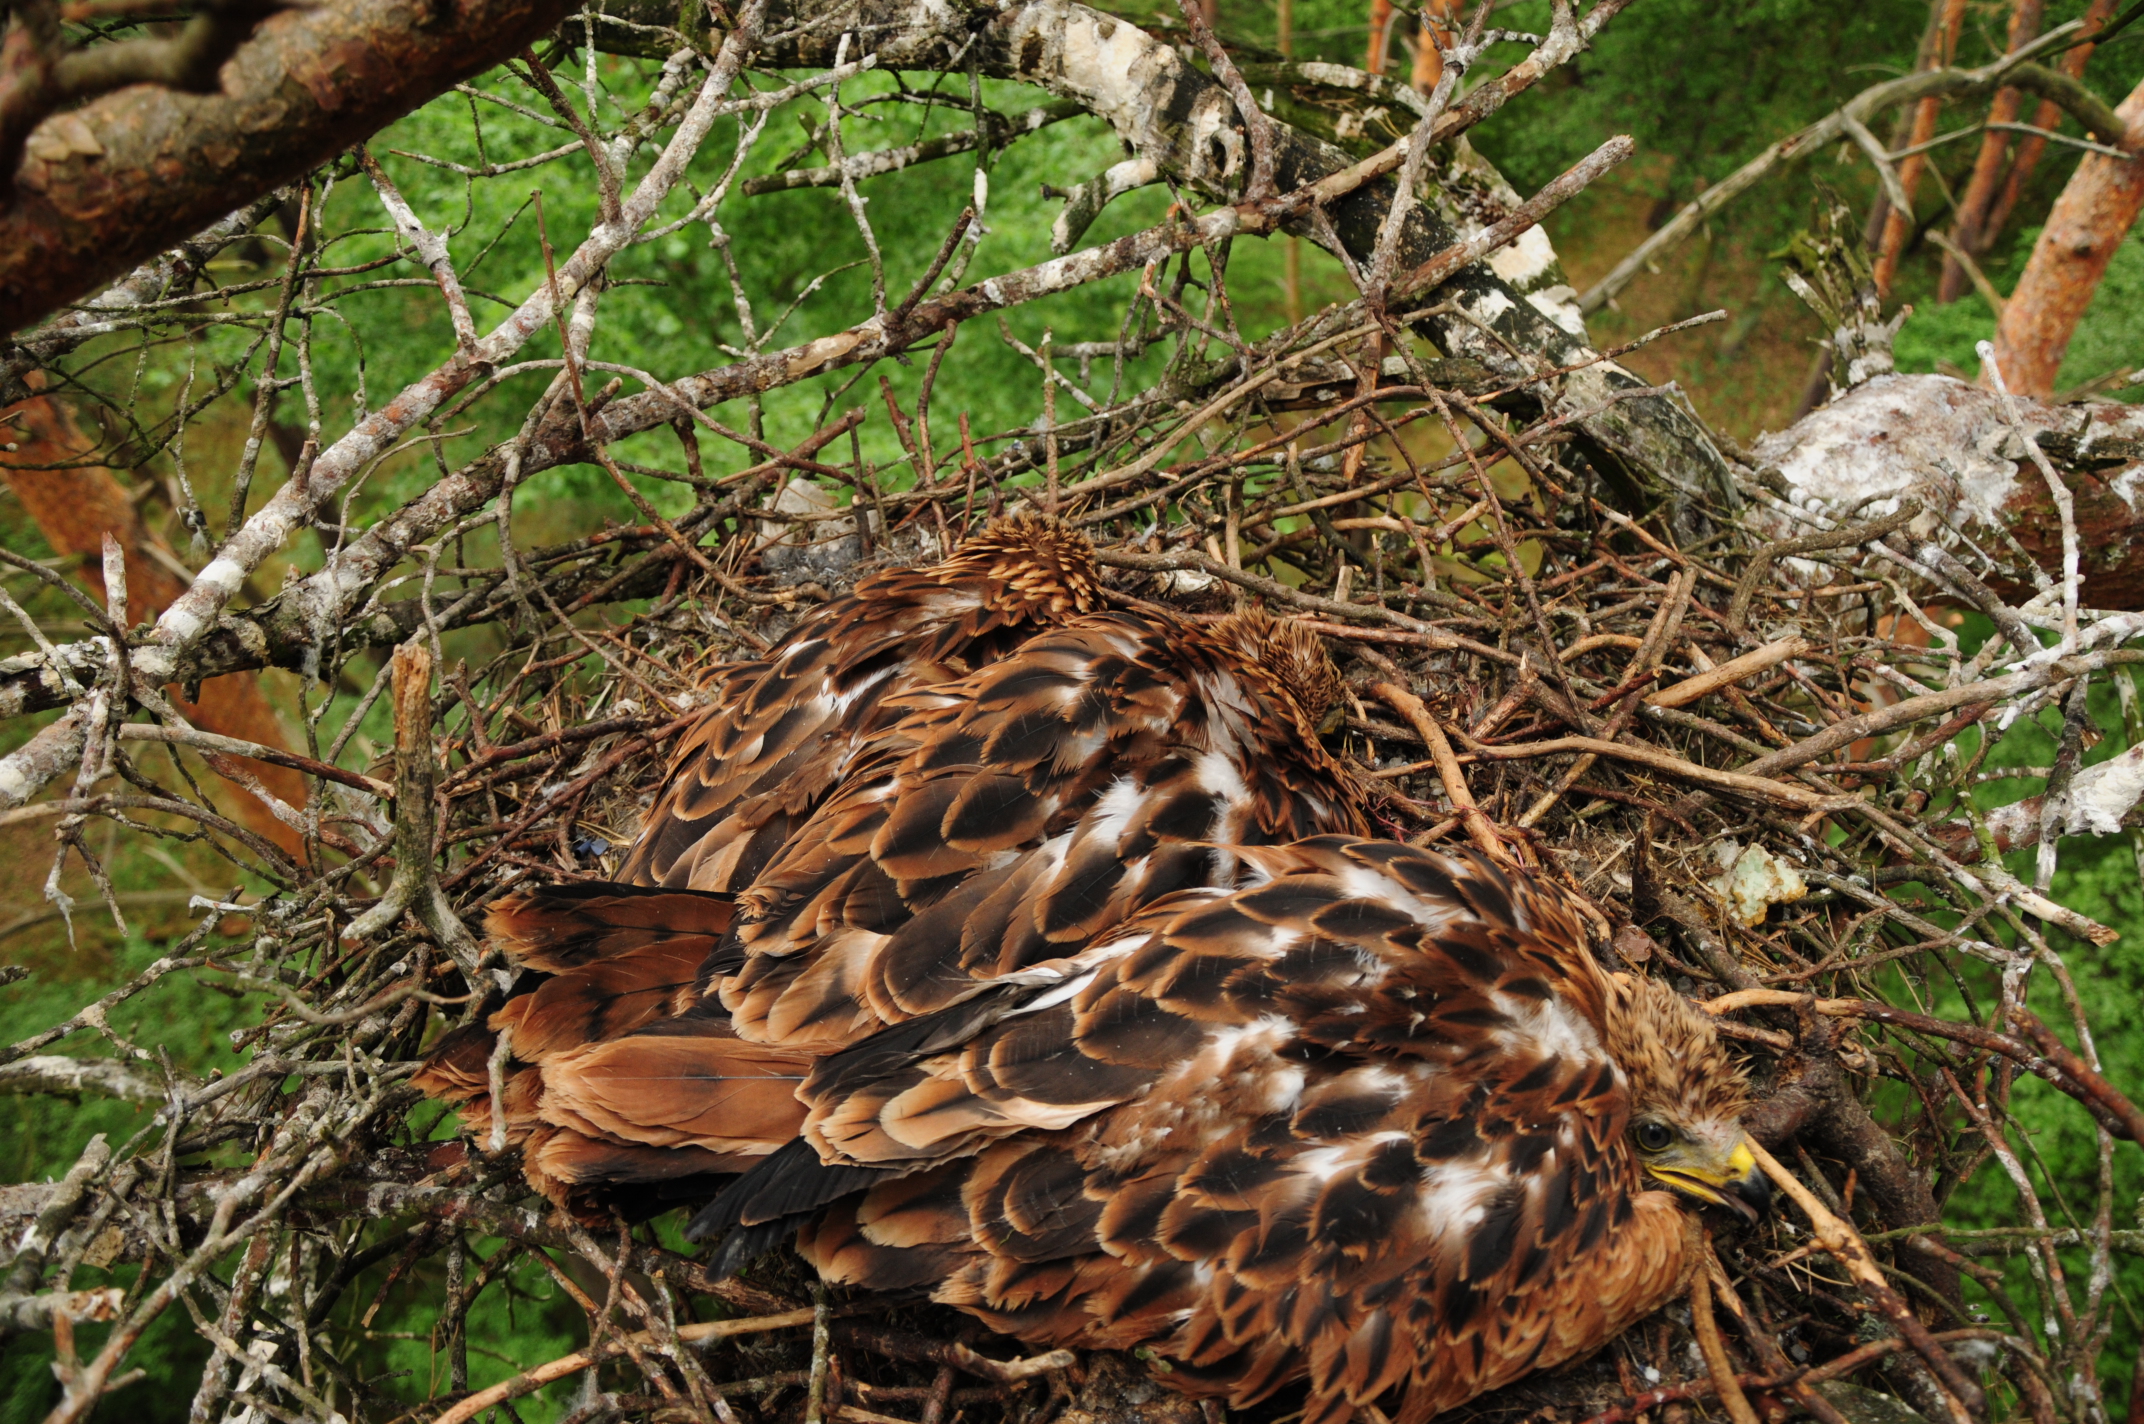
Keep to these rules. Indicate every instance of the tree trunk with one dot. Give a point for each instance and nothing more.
(2048, 116)
(1378, 58)
(1948, 447)
(1988, 166)
(1440, 23)
(2087, 224)
(118, 180)
(1897, 226)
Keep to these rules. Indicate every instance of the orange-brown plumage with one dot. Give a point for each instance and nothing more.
(1030, 954)
(855, 796)
(779, 730)
(1369, 1119)
(1013, 815)
(1367, 1123)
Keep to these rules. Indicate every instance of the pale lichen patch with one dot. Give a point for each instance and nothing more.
(1932, 439)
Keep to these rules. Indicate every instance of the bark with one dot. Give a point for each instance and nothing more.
(170, 271)
(1897, 225)
(1377, 58)
(105, 186)
(2047, 116)
(42, 75)
(1988, 164)
(57, 1075)
(2100, 800)
(2086, 225)
(1946, 445)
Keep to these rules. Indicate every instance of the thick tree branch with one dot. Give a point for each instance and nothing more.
(1948, 447)
(124, 176)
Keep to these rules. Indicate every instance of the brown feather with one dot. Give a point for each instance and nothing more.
(1034, 805)
(1440, 1197)
(1056, 926)
(779, 732)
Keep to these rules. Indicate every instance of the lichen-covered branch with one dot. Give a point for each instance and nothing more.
(1183, 122)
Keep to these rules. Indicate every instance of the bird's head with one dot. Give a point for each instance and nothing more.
(1294, 656)
(1687, 1098)
(1034, 559)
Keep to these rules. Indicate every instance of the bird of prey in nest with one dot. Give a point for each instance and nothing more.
(856, 837)
(1068, 990)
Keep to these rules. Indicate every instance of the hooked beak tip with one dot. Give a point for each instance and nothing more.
(1745, 1190)
(1740, 1185)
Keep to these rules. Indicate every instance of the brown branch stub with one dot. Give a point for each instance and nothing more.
(126, 175)
(415, 886)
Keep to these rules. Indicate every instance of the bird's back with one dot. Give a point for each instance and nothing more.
(1355, 1123)
(778, 731)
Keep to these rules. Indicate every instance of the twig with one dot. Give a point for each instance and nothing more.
(1707, 1329)
(415, 886)
(1839, 1237)
(1480, 829)
(573, 1364)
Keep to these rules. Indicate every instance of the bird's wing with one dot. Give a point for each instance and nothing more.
(779, 732)
(1355, 1123)
(1011, 817)
(604, 964)
(685, 1081)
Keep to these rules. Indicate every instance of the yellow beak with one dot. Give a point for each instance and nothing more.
(1735, 1182)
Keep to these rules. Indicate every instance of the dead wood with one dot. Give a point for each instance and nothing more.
(105, 186)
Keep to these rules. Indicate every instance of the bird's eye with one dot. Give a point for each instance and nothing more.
(1653, 1136)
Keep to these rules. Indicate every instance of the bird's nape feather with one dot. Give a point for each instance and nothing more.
(778, 732)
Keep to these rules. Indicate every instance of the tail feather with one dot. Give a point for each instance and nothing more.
(789, 1185)
(843, 1251)
(457, 1068)
(746, 1244)
(591, 1179)
(604, 998)
(685, 1083)
(556, 928)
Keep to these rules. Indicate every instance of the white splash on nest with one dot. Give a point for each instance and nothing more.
(1928, 438)
(1752, 880)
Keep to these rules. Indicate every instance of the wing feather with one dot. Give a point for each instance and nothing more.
(779, 733)
(1354, 1123)
(1017, 815)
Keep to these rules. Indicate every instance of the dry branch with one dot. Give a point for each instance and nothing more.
(1850, 120)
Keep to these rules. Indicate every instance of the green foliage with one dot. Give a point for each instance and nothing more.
(1938, 337)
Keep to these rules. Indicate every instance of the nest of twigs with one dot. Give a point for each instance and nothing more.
(1752, 749)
